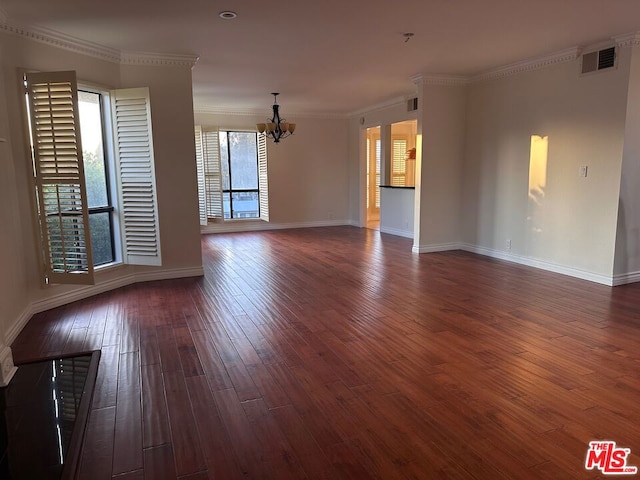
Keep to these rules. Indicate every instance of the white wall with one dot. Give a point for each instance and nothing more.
(440, 154)
(172, 117)
(627, 254)
(574, 224)
(308, 171)
(396, 211)
(170, 90)
(14, 296)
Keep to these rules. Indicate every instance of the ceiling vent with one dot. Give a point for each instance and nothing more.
(599, 60)
(412, 104)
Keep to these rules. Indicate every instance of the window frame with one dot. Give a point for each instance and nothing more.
(110, 173)
(209, 170)
(129, 166)
(231, 190)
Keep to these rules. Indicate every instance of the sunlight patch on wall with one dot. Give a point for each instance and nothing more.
(537, 189)
(538, 168)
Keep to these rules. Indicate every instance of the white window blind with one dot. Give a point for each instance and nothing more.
(398, 162)
(263, 179)
(212, 173)
(61, 205)
(378, 160)
(131, 113)
(368, 173)
(202, 193)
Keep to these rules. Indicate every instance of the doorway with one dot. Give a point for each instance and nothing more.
(373, 177)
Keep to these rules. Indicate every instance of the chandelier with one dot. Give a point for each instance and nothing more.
(276, 127)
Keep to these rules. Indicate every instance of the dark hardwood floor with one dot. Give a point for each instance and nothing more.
(337, 353)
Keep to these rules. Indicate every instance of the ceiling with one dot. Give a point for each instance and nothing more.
(330, 56)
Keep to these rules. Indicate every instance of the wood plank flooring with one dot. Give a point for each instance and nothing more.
(336, 353)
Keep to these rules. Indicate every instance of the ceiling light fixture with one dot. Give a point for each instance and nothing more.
(228, 15)
(276, 127)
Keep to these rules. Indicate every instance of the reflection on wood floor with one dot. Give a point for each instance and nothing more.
(336, 353)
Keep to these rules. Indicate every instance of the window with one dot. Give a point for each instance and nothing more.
(96, 175)
(232, 174)
(399, 163)
(74, 206)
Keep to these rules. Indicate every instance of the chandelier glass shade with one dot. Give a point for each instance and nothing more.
(276, 127)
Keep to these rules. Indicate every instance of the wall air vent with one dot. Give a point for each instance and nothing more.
(599, 60)
(412, 104)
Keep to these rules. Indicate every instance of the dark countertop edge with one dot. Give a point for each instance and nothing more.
(396, 186)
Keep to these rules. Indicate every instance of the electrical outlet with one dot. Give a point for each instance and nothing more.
(583, 171)
(508, 244)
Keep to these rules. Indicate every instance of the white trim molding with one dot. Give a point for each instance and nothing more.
(253, 112)
(396, 231)
(441, 80)
(627, 40)
(60, 40)
(91, 290)
(625, 278)
(18, 325)
(537, 63)
(7, 368)
(541, 264)
(73, 44)
(158, 59)
(259, 225)
(392, 102)
(436, 247)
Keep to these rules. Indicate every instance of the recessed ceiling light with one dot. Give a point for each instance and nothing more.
(228, 14)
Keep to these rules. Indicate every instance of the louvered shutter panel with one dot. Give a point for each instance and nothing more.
(212, 173)
(59, 178)
(263, 179)
(368, 172)
(378, 158)
(202, 193)
(136, 176)
(398, 163)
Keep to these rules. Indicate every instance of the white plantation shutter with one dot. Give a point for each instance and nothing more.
(131, 114)
(398, 162)
(59, 178)
(263, 180)
(202, 192)
(212, 173)
(378, 166)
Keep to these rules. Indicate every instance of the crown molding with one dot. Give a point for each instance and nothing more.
(59, 40)
(563, 56)
(157, 59)
(627, 40)
(392, 102)
(441, 80)
(262, 113)
(76, 45)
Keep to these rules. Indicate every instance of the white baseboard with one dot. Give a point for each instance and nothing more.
(532, 262)
(397, 231)
(83, 292)
(442, 247)
(625, 278)
(168, 274)
(18, 325)
(7, 368)
(250, 226)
